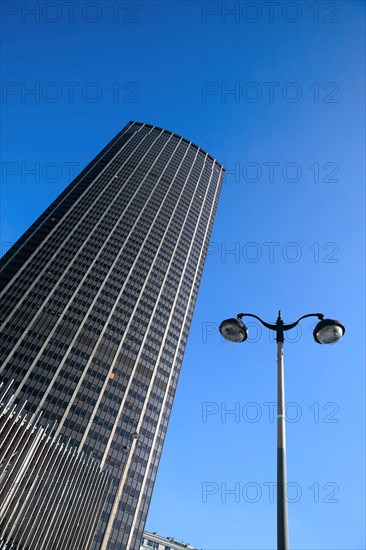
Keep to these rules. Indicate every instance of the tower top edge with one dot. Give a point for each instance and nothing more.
(179, 136)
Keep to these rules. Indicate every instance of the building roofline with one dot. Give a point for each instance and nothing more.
(164, 540)
(180, 137)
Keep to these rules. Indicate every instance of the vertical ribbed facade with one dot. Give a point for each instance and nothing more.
(96, 303)
(50, 495)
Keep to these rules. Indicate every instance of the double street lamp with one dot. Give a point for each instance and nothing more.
(327, 331)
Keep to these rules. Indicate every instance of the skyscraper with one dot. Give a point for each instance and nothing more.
(96, 303)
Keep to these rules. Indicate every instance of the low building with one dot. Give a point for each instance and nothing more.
(154, 541)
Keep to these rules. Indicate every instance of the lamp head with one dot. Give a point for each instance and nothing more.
(328, 331)
(234, 330)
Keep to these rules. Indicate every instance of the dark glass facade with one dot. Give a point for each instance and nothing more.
(97, 299)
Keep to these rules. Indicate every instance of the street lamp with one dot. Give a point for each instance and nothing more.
(327, 331)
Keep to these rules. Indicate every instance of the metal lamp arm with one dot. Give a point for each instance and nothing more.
(292, 325)
(280, 327)
(285, 327)
(267, 325)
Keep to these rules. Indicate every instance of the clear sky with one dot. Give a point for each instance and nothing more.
(275, 91)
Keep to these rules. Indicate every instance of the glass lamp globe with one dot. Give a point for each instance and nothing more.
(328, 331)
(234, 330)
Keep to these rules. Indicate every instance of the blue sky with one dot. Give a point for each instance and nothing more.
(275, 91)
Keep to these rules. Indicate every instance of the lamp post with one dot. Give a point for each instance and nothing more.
(327, 331)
